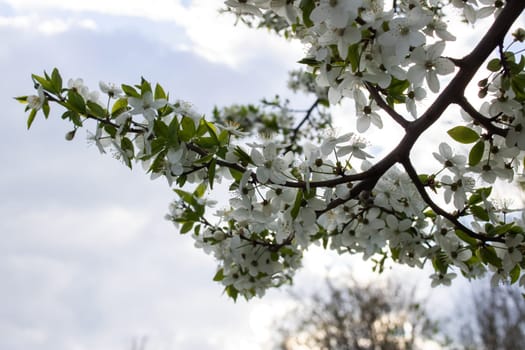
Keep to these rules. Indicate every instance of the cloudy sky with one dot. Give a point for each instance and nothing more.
(86, 259)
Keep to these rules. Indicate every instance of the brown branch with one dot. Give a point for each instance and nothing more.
(470, 64)
(398, 118)
(480, 118)
(295, 131)
(453, 93)
(411, 171)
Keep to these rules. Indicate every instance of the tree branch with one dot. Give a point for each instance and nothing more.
(296, 130)
(398, 118)
(480, 118)
(411, 171)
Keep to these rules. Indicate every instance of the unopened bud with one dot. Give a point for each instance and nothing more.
(482, 92)
(519, 34)
(483, 82)
(71, 135)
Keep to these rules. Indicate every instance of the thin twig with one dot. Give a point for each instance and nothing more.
(398, 118)
(295, 131)
(480, 118)
(411, 171)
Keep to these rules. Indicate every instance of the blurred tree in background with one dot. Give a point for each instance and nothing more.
(497, 320)
(379, 315)
(356, 316)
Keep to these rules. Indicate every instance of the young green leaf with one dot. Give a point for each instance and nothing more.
(494, 65)
(186, 227)
(187, 129)
(56, 81)
(219, 276)
(488, 255)
(211, 172)
(466, 238)
(159, 92)
(297, 204)
(307, 7)
(479, 213)
(119, 106)
(130, 91)
(31, 118)
(45, 83)
(476, 153)
(76, 102)
(96, 110)
(463, 134)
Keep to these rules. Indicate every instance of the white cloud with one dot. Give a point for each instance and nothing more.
(162, 10)
(210, 34)
(48, 26)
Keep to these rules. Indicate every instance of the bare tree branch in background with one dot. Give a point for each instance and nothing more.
(356, 316)
(497, 320)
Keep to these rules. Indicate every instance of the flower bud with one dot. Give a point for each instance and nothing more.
(483, 82)
(519, 34)
(71, 135)
(482, 92)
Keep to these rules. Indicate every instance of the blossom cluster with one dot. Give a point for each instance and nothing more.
(289, 192)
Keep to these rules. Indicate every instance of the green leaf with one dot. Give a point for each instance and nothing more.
(21, 99)
(171, 132)
(158, 163)
(206, 142)
(514, 274)
(307, 7)
(130, 91)
(479, 213)
(516, 68)
(187, 129)
(45, 83)
(479, 195)
(466, 238)
(159, 92)
(128, 147)
(494, 65)
(232, 292)
(309, 61)
(145, 86)
(219, 276)
(56, 81)
(46, 109)
(236, 174)
(212, 131)
(96, 110)
(76, 102)
(186, 227)
(440, 262)
(396, 90)
(354, 57)
(204, 159)
(463, 134)
(224, 137)
(297, 204)
(111, 130)
(501, 229)
(476, 153)
(211, 172)
(200, 190)
(31, 118)
(245, 157)
(185, 196)
(518, 86)
(430, 214)
(487, 254)
(119, 106)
